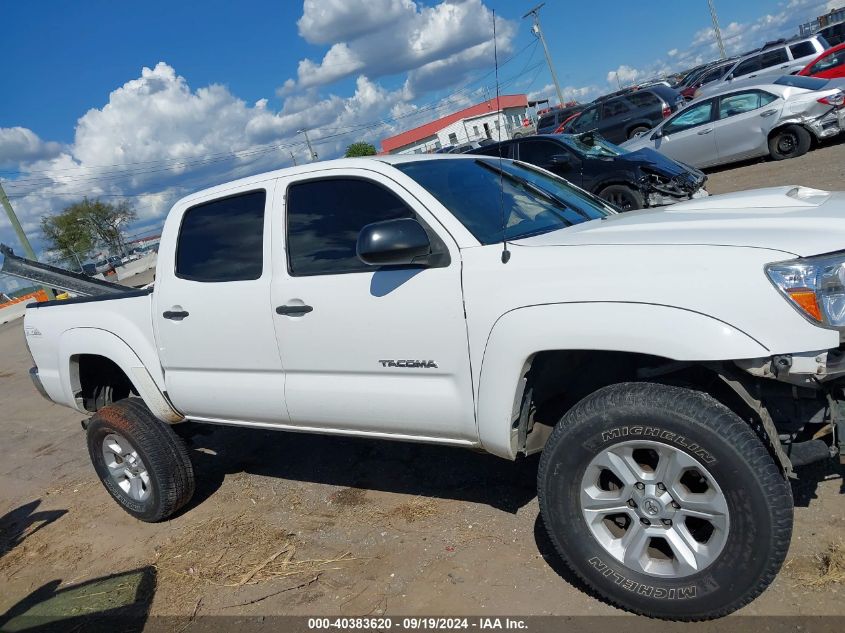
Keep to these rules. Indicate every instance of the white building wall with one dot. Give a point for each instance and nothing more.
(501, 126)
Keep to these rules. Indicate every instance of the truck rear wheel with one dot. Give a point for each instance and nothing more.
(664, 501)
(141, 462)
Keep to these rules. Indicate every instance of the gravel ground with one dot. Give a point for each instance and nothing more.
(299, 524)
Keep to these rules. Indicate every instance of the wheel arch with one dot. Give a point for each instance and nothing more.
(533, 336)
(92, 354)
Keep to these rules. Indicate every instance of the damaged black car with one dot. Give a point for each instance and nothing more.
(627, 180)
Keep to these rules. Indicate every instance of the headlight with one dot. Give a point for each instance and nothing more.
(815, 286)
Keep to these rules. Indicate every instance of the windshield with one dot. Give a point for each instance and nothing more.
(590, 144)
(510, 202)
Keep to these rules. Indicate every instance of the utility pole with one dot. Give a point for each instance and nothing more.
(717, 30)
(308, 142)
(293, 158)
(535, 28)
(13, 219)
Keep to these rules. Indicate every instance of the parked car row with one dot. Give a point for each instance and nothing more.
(779, 119)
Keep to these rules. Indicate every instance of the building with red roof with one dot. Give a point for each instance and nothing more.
(495, 119)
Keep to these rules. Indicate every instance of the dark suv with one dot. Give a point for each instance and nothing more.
(628, 115)
(628, 180)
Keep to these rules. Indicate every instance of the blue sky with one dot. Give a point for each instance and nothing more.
(150, 101)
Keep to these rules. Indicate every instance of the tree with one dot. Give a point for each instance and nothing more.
(84, 225)
(360, 149)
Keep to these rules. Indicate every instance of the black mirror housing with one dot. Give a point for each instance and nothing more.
(560, 160)
(401, 242)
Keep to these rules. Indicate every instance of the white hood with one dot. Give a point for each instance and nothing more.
(792, 219)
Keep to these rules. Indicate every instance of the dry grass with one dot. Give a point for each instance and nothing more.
(415, 510)
(234, 552)
(820, 570)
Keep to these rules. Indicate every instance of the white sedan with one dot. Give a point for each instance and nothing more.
(779, 119)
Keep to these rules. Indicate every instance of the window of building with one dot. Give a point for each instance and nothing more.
(453, 138)
(324, 218)
(222, 240)
(475, 130)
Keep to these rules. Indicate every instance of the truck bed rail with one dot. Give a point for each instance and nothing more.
(56, 277)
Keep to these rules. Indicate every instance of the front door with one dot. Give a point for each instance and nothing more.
(553, 156)
(380, 351)
(689, 136)
(214, 326)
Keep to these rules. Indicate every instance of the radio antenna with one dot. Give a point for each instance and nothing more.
(506, 254)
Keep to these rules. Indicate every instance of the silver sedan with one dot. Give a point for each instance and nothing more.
(779, 119)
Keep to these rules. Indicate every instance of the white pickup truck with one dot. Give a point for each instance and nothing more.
(672, 365)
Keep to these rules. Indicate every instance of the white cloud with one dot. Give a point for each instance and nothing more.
(581, 94)
(386, 37)
(21, 145)
(157, 139)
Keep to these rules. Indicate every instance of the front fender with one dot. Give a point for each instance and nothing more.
(103, 343)
(658, 330)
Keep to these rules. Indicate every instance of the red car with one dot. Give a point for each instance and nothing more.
(828, 65)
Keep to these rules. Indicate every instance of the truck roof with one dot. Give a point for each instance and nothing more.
(339, 163)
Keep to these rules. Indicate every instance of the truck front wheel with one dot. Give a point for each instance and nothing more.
(141, 462)
(664, 501)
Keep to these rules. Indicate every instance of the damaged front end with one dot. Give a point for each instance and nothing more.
(800, 401)
(661, 189)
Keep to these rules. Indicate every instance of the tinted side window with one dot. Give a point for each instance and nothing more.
(773, 58)
(493, 150)
(644, 99)
(614, 107)
(547, 120)
(324, 218)
(802, 49)
(826, 63)
(748, 66)
(586, 120)
(539, 152)
(222, 240)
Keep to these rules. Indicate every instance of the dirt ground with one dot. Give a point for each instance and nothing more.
(297, 524)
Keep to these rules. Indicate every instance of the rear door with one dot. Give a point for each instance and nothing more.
(366, 349)
(688, 136)
(743, 123)
(212, 309)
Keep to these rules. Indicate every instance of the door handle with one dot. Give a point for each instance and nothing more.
(174, 315)
(293, 310)
(707, 131)
(768, 113)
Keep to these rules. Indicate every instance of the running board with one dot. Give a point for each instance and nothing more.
(55, 277)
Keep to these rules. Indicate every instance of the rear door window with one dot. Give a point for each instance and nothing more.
(742, 102)
(614, 107)
(222, 240)
(644, 100)
(750, 65)
(773, 58)
(802, 49)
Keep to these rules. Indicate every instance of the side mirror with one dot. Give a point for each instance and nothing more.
(393, 243)
(658, 134)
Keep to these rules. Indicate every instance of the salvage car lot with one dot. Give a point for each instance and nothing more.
(286, 523)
